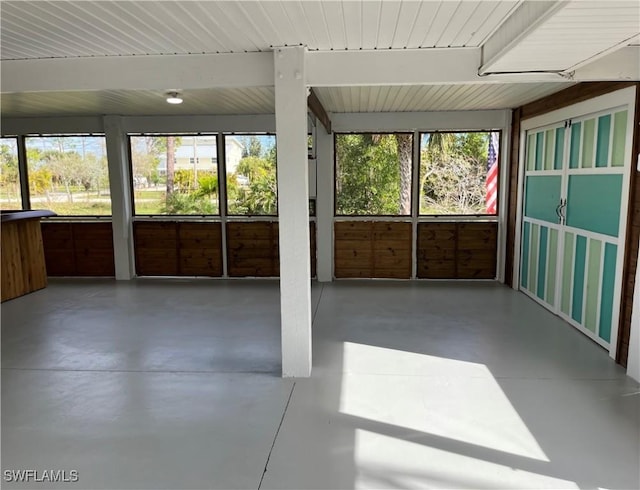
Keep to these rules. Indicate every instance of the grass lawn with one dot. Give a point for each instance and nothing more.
(147, 202)
(77, 208)
(149, 194)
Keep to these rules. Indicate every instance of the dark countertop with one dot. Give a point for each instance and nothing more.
(17, 215)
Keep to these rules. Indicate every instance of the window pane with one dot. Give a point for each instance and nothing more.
(373, 174)
(174, 174)
(10, 194)
(251, 175)
(459, 173)
(69, 175)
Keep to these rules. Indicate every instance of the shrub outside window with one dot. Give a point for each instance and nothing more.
(459, 173)
(252, 186)
(373, 174)
(174, 174)
(69, 175)
(10, 192)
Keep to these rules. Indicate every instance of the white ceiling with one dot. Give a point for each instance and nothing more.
(522, 36)
(252, 100)
(433, 97)
(50, 29)
(261, 100)
(574, 33)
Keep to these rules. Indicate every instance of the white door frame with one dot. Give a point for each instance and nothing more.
(626, 96)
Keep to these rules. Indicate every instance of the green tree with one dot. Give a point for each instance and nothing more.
(453, 173)
(252, 148)
(41, 182)
(189, 203)
(404, 142)
(9, 174)
(66, 168)
(367, 171)
(171, 164)
(254, 168)
(208, 184)
(183, 181)
(436, 150)
(145, 165)
(260, 195)
(93, 173)
(147, 154)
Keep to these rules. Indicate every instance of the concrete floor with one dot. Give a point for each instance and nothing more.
(175, 384)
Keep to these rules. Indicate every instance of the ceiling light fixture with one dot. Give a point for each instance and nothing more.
(174, 98)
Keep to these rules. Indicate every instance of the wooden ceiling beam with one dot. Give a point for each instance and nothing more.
(316, 108)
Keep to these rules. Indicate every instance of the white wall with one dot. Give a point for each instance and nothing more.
(633, 362)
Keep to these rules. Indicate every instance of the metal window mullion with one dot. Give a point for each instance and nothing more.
(222, 197)
(22, 173)
(415, 207)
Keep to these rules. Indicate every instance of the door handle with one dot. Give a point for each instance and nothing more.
(558, 214)
(563, 207)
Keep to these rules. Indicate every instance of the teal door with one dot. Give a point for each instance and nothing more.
(572, 224)
(541, 223)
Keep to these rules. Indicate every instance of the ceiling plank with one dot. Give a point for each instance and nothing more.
(559, 36)
(515, 29)
(622, 64)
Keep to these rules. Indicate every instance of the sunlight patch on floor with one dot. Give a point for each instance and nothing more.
(369, 359)
(388, 462)
(454, 401)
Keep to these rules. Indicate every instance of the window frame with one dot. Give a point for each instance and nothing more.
(167, 215)
(226, 193)
(335, 178)
(24, 199)
(498, 177)
(66, 217)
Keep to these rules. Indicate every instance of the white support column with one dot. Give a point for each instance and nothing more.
(293, 210)
(324, 204)
(121, 206)
(504, 153)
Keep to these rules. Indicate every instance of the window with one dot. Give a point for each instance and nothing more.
(69, 174)
(459, 173)
(174, 174)
(373, 174)
(311, 147)
(251, 175)
(10, 193)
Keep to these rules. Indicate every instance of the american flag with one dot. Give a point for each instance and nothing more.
(492, 174)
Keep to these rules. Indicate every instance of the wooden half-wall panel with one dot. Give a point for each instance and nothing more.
(23, 265)
(457, 250)
(372, 249)
(253, 249)
(200, 249)
(171, 248)
(78, 249)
